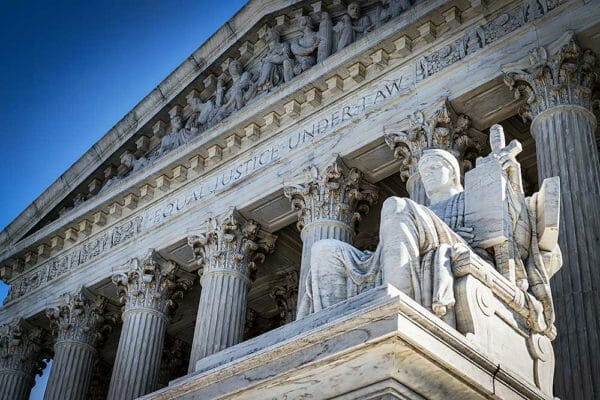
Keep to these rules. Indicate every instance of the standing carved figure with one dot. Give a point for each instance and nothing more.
(305, 45)
(177, 136)
(352, 26)
(241, 91)
(395, 8)
(201, 117)
(276, 65)
(325, 37)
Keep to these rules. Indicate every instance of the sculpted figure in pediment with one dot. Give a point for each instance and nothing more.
(203, 115)
(325, 37)
(177, 135)
(418, 244)
(241, 91)
(305, 45)
(352, 26)
(129, 164)
(395, 8)
(276, 65)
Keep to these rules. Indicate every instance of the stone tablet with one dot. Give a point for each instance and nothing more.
(486, 205)
(548, 213)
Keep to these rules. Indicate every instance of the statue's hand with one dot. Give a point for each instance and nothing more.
(466, 232)
(507, 160)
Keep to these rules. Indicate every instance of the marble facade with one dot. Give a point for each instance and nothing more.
(173, 259)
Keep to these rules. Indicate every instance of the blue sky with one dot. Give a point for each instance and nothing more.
(70, 70)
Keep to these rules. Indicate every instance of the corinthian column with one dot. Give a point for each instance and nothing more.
(329, 206)
(20, 347)
(148, 290)
(557, 84)
(227, 250)
(440, 129)
(76, 321)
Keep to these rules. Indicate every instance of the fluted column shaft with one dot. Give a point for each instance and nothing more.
(147, 289)
(566, 147)
(137, 363)
(75, 321)
(557, 83)
(227, 249)
(15, 385)
(71, 371)
(221, 313)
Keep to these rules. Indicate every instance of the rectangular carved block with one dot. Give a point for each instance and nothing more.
(197, 163)
(100, 218)
(486, 209)
(179, 173)
(146, 192)
(85, 227)
(71, 235)
(163, 183)
(130, 201)
(56, 243)
(403, 46)
(313, 97)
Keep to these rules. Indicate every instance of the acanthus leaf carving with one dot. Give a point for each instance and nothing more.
(22, 348)
(338, 193)
(78, 317)
(559, 74)
(441, 129)
(286, 298)
(231, 243)
(151, 282)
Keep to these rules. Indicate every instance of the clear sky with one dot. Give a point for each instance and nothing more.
(69, 70)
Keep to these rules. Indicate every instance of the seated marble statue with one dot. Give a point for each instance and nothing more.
(418, 244)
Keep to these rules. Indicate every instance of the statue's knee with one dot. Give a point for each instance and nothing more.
(393, 205)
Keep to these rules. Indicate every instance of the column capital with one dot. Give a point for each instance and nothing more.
(335, 192)
(21, 347)
(78, 317)
(440, 128)
(231, 243)
(285, 297)
(556, 75)
(151, 283)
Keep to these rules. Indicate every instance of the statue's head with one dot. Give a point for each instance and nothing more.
(304, 21)
(235, 68)
(440, 172)
(176, 122)
(273, 35)
(354, 10)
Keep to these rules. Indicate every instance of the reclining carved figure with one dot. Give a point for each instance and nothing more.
(418, 244)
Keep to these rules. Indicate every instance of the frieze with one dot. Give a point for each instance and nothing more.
(264, 156)
(478, 37)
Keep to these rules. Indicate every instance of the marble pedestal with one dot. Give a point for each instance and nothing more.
(377, 345)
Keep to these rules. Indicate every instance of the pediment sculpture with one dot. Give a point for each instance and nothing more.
(489, 222)
(282, 60)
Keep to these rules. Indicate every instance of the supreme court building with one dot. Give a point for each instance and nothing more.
(181, 257)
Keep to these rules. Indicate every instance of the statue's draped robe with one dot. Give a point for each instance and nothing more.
(414, 254)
